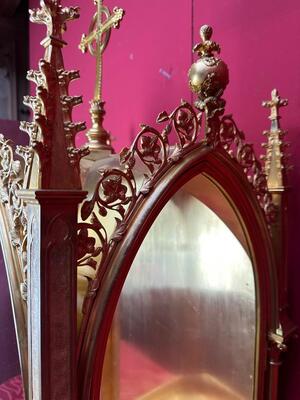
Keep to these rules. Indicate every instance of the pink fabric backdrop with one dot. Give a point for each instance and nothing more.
(145, 72)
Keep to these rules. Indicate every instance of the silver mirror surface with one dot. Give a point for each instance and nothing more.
(185, 325)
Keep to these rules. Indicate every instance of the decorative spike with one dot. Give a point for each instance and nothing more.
(275, 160)
(65, 77)
(31, 128)
(37, 77)
(68, 102)
(76, 154)
(34, 103)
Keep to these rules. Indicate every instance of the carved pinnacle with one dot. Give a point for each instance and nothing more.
(54, 16)
(275, 158)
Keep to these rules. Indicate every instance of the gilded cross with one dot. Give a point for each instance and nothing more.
(98, 37)
(96, 42)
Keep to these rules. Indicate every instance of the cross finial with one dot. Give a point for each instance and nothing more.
(275, 158)
(96, 42)
(275, 104)
(98, 37)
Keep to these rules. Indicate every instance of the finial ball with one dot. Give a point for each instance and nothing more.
(206, 32)
(208, 76)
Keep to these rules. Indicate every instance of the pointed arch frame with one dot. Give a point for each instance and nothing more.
(228, 175)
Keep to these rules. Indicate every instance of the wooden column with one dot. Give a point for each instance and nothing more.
(52, 292)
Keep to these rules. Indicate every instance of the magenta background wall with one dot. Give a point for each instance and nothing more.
(145, 71)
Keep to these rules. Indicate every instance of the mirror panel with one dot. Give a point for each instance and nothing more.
(11, 386)
(185, 325)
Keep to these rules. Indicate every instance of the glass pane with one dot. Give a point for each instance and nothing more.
(185, 324)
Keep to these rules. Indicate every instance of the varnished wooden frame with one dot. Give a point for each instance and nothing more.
(229, 177)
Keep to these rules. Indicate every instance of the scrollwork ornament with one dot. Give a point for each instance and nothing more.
(117, 190)
(11, 180)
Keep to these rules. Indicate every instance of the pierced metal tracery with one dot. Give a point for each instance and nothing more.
(117, 189)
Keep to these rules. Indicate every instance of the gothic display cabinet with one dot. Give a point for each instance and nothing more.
(158, 273)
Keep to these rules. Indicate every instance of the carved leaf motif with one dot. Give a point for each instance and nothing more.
(260, 182)
(86, 209)
(162, 117)
(150, 147)
(119, 231)
(245, 155)
(227, 132)
(166, 131)
(113, 189)
(126, 157)
(85, 244)
(147, 185)
(177, 154)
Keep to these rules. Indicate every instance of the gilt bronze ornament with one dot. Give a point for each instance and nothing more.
(52, 229)
(96, 42)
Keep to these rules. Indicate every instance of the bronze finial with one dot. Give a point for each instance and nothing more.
(208, 78)
(207, 47)
(275, 158)
(96, 42)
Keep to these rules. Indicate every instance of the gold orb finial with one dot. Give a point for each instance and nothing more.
(208, 76)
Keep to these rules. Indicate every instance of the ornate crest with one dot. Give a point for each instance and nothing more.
(117, 191)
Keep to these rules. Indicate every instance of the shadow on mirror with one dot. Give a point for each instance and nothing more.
(185, 325)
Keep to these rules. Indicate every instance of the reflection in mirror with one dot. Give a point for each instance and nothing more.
(185, 325)
(10, 379)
